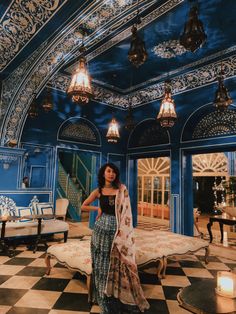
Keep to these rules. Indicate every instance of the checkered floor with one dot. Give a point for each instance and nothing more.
(24, 287)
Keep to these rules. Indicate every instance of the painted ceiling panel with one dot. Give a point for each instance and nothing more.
(113, 68)
(49, 52)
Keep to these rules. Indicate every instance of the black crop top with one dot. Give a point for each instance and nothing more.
(107, 204)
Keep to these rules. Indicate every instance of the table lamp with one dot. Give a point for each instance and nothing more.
(226, 284)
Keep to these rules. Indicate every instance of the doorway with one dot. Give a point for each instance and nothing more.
(154, 188)
(75, 180)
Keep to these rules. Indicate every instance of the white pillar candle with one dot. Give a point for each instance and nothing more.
(226, 284)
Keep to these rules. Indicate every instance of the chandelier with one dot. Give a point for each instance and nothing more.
(167, 114)
(193, 36)
(33, 109)
(113, 132)
(129, 119)
(80, 88)
(47, 103)
(137, 53)
(222, 97)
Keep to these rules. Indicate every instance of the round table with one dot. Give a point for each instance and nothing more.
(200, 297)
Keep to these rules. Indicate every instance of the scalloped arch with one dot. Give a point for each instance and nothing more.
(79, 130)
(148, 133)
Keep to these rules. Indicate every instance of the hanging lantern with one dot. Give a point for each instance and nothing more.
(137, 53)
(193, 36)
(47, 103)
(222, 97)
(80, 88)
(167, 114)
(33, 111)
(113, 132)
(129, 120)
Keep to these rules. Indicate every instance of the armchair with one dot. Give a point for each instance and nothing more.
(61, 207)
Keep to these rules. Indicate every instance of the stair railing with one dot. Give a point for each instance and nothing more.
(80, 166)
(73, 194)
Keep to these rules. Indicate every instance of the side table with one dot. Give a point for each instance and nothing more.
(201, 298)
(222, 220)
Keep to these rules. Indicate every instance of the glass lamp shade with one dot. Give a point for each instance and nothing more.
(167, 114)
(33, 110)
(193, 36)
(222, 98)
(226, 284)
(113, 132)
(137, 54)
(80, 89)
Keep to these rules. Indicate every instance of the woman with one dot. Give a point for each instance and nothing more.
(115, 276)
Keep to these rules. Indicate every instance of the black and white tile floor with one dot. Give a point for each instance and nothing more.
(24, 287)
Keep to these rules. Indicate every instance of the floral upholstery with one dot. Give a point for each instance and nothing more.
(155, 244)
(150, 246)
(75, 254)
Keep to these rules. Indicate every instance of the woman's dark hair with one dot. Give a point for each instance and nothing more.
(26, 181)
(101, 179)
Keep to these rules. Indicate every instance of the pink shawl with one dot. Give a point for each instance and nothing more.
(123, 280)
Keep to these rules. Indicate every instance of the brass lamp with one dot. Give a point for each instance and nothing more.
(167, 114)
(33, 109)
(129, 119)
(194, 35)
(113, 132)
(47, 102)
(80, 88)
(137, 54)
(222, 97)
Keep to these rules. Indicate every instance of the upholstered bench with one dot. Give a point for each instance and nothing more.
(152, 247)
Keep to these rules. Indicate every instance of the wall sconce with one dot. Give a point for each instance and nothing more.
(37, 150)
(5, 165)
(226, 284)
(7, 160)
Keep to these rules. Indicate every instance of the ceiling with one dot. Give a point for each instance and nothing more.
(40, 41)
(27, 25)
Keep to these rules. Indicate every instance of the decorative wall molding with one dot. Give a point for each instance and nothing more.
(215, 124)
(148, 133)
(181, 83)
(79, 130)
(169, 49)
(57, 53)
(21, 22)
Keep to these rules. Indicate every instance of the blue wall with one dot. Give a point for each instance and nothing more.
(193, 105)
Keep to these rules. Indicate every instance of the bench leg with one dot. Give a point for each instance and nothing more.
(164, 267)
(207, 252)
(65, 236)
(159, 268)
(89, 287)
(48, 264)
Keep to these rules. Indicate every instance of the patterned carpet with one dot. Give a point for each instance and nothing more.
(24, 287)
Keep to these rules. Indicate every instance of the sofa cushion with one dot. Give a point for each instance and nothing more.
(24, 211)
(29, 228)
(47, 210)
(44, 208)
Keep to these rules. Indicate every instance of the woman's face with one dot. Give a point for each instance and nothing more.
(109, 174)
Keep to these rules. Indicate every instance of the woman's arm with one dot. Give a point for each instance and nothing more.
(92, 197)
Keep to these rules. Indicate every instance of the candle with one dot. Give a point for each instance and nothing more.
(226, 284)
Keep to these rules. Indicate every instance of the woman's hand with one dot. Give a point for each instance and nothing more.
(99, 213)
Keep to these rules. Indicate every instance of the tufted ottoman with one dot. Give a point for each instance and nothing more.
(152, 248)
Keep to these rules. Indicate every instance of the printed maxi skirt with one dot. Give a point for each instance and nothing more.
(102, 238)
